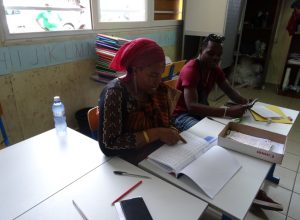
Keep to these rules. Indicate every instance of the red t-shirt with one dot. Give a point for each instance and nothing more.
(190, 76)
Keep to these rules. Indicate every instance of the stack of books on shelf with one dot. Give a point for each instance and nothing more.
(106, 49)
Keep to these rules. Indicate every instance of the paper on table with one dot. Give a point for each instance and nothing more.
(265, 112)
(282, 119)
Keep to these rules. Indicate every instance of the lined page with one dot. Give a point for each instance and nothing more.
(178, 156)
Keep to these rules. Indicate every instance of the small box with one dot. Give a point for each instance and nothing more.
(272, 155)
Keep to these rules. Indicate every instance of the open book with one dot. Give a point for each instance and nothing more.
(209, 167)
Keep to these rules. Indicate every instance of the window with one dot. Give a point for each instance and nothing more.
(122, 11)
(43, 18)
(51, 15)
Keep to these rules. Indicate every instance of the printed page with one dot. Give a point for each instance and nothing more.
(212, 170)
(175, 158)
(207, 128)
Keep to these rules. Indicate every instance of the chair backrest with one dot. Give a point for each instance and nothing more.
(166, 73)
(3, 131)
(178, 66)
(171, 83)
(93, 120)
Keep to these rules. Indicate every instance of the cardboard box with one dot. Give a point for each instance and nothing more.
(273, 155)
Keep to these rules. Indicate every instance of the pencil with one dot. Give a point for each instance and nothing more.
(126, 192)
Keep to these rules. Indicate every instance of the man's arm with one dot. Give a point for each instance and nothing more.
(195, 108)
(232, 93)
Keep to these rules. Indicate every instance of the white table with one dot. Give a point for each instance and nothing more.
(33, 170)
(278, 128)
(94, 193)
(236, 197)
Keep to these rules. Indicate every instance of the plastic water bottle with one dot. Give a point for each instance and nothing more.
(59, 116)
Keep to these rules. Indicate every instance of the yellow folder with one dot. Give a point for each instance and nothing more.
(284, 119)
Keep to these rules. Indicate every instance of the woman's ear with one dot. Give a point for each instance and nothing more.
(136, 70)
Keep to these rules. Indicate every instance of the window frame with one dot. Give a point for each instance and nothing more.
(96, 26)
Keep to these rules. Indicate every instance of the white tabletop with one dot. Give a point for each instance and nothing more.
(236, 197)
(94, 193)
(278, 128)
(34, 169)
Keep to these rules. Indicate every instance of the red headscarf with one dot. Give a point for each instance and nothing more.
(140, 52)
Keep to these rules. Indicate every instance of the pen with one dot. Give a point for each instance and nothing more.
(182, 139)
(117, 172)
(79, 210)
(210, 118)
(126, 192)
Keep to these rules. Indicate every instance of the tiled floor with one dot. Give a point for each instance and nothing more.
(288, 190)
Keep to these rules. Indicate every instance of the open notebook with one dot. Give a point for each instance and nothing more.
(209, 167)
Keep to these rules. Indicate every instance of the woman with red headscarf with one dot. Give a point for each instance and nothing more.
(135, 111)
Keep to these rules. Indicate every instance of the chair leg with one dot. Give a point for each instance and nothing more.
(271, 176)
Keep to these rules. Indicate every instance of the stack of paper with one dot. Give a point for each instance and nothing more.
(272, 113)
(250, 140)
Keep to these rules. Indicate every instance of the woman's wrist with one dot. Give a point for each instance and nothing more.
(154, 134)
(146, 136)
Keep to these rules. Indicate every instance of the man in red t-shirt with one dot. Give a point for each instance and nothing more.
(196, 80)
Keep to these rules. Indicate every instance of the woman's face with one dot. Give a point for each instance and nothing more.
(148, 78)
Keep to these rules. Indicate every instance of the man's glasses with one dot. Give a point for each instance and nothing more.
(216, 38)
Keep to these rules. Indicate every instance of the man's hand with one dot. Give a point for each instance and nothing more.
(251, 102)
(236, 111)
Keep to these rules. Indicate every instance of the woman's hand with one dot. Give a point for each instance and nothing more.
(236, 111)
(169, 136)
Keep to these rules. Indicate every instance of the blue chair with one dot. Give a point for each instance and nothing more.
(2, 129)
(172, 70)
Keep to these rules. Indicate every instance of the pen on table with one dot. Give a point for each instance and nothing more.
(126, 192)
(210, 118)
(79, 210)
(118, 172)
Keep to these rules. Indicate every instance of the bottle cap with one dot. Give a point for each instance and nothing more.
(56, 98)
